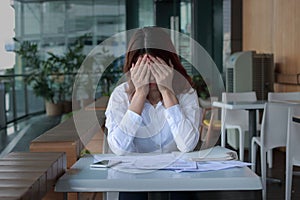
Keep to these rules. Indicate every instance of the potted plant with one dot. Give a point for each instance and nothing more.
(66, 67)
(200, 87)
(52, 78)
(112, 74)
(100, 73)
(37, 71)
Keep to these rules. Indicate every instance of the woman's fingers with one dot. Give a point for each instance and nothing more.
(161, 61)
(162, 72)
(137, 68)
(154, 71)
(156, 65)
(140, 74)
(138, 61)
(164, 66)
(148, 72)
(141, 64)
(144, 74)
(163, 69)
(171, 64)
(144, 60)
(161, 64)
(134, 70)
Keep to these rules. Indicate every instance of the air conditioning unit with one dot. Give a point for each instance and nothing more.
(250, 71)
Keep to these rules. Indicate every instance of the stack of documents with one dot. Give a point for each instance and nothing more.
(216, 158)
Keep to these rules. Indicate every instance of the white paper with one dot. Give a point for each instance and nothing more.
(173, 164)
(150, 161)
(228, 156)
(216, 158)
(216, 165)
(216, 153)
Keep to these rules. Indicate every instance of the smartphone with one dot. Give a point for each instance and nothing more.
(105, 163)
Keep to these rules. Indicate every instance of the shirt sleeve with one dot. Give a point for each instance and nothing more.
(184, 119)
(121, 123)
(120, 136)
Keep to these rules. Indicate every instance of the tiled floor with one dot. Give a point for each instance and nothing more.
(18, 136)
(275, 191)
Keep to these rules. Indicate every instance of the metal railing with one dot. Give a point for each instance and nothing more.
(17, 99)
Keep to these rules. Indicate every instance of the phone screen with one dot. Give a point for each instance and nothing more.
(105, 163)
(102, 162)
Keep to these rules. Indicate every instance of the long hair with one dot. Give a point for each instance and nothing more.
(156, 42)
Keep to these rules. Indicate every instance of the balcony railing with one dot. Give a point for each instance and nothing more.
(17, 99)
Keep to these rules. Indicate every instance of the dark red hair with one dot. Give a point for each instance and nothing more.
(156, 42)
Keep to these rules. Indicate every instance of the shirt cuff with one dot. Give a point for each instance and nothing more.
(130, 123)
(173, 115)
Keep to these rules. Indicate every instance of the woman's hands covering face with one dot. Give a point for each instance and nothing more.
(148, 65)
(162, 73)
(140, 75)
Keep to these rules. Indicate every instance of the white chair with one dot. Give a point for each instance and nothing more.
(280, 97)
(292, 149)
(273, 134)
(106, 150)
(210, 125)
(283, 96)
(236, 119)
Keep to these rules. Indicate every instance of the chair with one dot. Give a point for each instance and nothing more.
(280, 97)
(273, 134)
(292, 149)
(283, 96)
(236, 119)
(210, 125)
(106, 150)
(210, 130)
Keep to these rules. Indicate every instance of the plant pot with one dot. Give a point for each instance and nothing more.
(75, 105)
(67, 106)
(54, 109)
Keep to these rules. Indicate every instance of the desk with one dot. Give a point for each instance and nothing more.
(251, 107)
(80, 178)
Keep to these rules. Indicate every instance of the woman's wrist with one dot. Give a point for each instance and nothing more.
(137, 102)
(141, 93)
(166, 92)
(169, 98)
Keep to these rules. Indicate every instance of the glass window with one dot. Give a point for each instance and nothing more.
(32, 18)
(146, 13)
(53, 17)
(79, 17)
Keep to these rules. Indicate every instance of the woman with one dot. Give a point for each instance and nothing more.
(156, 110)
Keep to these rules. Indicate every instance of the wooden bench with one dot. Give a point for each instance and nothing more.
(27, 175)
(83, 130)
